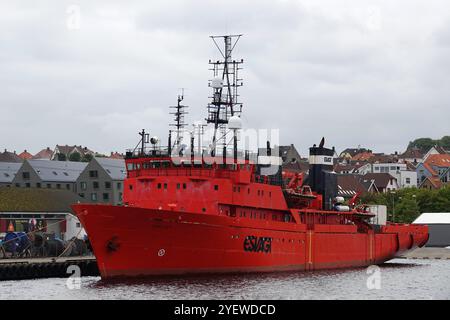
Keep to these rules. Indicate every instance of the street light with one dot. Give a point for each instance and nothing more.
(393, 206)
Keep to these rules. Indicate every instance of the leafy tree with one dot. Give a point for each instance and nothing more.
(424, 144)
(445, 142)
(409, 203)
(61, 157)
(86, 158)
(75, 156)
(407, 210)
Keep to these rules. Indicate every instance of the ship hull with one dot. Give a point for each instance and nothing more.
(136, 242)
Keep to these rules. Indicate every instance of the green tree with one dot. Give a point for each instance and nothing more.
(61, 157)
(424, 144)
(75, 156)
(406, 210)
(409, 203)
(86, 158)
(445, 142)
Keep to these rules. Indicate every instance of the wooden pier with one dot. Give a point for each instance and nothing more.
(33, 268)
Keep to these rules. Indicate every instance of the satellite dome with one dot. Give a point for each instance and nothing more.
(235, 123)
(217, 83)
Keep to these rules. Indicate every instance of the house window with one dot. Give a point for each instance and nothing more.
(376, 168)
(94, 196)
(184, 185)
(38, 185)
(95, 184)
(130, 187)
(18, 185)
(178, 186)
(165, 186)
(159, 185)
(93, 173)
(58, 186)
(216, 187)
(49, 186)
(107, 185)
(26, 175)
(83, 185)
(408, 180)
(27, 185)
(120, 196)
(67, 186)
(119, 185)
(81, 195)
(106, 196)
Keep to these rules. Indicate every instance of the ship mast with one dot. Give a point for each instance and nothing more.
(225, 86)
(179, 123)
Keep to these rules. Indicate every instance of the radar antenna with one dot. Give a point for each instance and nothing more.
(225, 86)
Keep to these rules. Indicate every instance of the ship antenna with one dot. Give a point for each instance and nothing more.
(179, 114)
(224, 104)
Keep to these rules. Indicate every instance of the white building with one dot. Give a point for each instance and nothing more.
(405, 178)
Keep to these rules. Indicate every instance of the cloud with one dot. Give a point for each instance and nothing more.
(355, 72)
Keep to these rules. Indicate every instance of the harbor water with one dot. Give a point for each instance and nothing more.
(397, 279)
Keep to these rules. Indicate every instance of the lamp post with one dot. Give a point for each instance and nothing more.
(393, 206)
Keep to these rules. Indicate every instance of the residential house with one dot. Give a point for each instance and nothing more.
(49, 174)
(351, 167)
(102, 181)
(363, 156)
(383, 182)
(383, 158)
(45, 154)
(349, 153)
(8, 171)
(25, 155)
(431, 183)
(64, 152)
(435, 150)
(405, 178)
(350, 184)
(413, 155)
(7, 156)
(116, 155)
(435, 167)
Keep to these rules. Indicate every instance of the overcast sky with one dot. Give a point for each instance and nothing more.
(369, 73)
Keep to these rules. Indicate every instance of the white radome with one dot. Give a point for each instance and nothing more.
(217, 83)
(235, 123)
(339, 199)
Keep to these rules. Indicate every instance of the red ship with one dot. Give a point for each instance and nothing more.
(188, 212)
